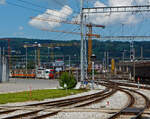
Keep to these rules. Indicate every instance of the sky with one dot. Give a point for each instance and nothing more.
(16, 21)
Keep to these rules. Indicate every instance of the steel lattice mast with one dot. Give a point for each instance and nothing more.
(82, 45)
(114, 9)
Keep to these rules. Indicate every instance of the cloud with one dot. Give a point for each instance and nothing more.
(120, 2)
(99, 4)
(21, 28)
(2, 1)
(51, 15)
(142, 2)
(113, 18)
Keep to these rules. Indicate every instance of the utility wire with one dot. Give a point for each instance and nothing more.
(28, 8)
(35, 10)
(61, 4)
(39, 6)
(63, 34)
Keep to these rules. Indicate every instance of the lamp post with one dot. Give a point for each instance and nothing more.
(93, 57)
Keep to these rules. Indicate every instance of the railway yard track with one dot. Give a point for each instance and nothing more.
(137, 104)
(30, 111)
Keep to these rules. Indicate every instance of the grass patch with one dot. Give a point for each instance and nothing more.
(37, 95)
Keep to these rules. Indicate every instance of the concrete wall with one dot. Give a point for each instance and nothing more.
(4, 69)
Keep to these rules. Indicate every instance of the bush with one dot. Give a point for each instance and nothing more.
(67, 79)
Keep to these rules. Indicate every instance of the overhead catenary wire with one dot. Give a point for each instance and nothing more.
(133, 31)
(29, 8)
(61, 4)
(39, 6)
(66, 35)
(35, 10)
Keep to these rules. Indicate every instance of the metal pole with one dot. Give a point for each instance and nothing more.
(141, 53)
(48, 56)
(123, 53)
(82, 44)
(3, 54)
(35, 59)
(26, 62)
(133, 64)
(107, 61)
(64, 63)
(77, 75)
(69, 64)
(85, 59)
(105, 64)
(3, 51)
(133, 69)
(138, 83)
(92, 74)
(35, 63)
(0, 52)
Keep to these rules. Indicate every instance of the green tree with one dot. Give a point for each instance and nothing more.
(68, 80)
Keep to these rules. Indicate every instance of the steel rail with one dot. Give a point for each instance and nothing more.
(59, 103)
(65, 100)
(147, 103)
(92, 99)
(141, 111)
(132, 100)
(21, 115)
(98, 99)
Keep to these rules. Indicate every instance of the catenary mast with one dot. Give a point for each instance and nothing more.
(82, 44)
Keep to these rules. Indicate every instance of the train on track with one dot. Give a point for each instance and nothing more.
(39, 73)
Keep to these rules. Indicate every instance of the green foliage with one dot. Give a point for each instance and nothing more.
(99, 47)
(36, 95)
(68, 80)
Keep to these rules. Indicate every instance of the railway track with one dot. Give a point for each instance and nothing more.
(50, 108)
(134, 109)
(126, 84)
(44, 107)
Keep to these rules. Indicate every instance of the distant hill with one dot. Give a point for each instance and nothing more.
(114, 48)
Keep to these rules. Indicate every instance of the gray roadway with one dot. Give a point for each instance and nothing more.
(15, 85)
